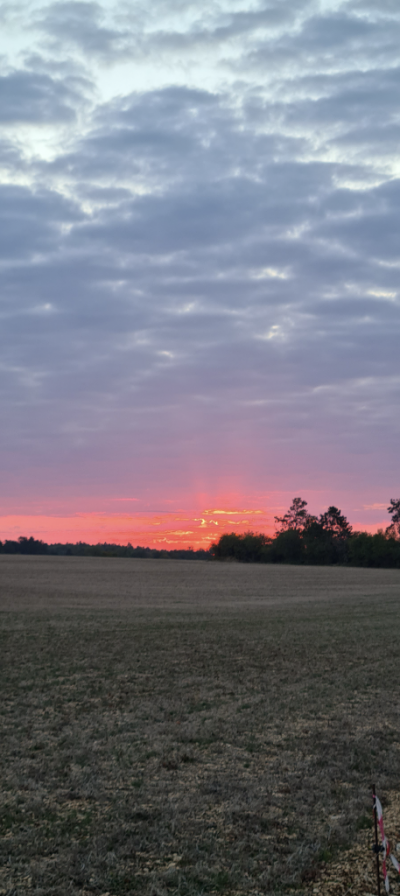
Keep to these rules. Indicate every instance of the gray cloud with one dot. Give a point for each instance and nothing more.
(153, 30)
(79, 24)
(35, 98)
(32, 222)
(197, 261)
(10, 157)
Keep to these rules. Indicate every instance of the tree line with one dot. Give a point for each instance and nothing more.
(324, 540)
(24, 545)
(300, 537)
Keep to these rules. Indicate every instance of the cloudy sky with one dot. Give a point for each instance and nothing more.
(200, 265)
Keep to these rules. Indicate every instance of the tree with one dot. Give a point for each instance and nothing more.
(335, 524)
(325, 540)
(250, 547)
(287, 547)
(254, 546)
(296, 517)
(318, 544)
(394, 510)
(25, 545)
(227, 546)
(373, 550)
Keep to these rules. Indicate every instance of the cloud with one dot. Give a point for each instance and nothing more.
(202, 280)
(28, 97)
(80, 25)
(147, 139)
(168, 29)
(33, 222)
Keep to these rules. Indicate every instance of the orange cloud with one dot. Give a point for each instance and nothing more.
(180, 532)
(234, 512)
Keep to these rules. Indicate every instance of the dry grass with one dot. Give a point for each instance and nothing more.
(188, 728)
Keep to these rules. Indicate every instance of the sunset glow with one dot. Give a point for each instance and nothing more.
(167, 530)
(200, 308)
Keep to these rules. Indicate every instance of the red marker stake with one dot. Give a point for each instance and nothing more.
(378, 877)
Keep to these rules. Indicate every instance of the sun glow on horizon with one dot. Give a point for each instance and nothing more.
(138, 528)
(149, 528)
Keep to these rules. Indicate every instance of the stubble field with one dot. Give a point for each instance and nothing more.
(174, 728)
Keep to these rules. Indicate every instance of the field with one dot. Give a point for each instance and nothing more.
(175, 728)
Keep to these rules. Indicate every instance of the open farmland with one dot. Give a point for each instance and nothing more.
(173, 727)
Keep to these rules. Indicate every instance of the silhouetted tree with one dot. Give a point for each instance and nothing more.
(250, 547)
(394, 510)
(317, 544)
(377, 550)
(25, 545)
(296, 517)
(254, 546)
(325, 539)
(335, 524)
(226, 546)
(302, 538)
(287, 547)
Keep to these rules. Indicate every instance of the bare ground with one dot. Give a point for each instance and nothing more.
(173, 727)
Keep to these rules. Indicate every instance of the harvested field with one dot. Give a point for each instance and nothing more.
(173, 727)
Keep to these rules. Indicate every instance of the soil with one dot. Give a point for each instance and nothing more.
(183, 727)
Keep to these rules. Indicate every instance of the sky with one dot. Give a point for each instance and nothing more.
(200, 257)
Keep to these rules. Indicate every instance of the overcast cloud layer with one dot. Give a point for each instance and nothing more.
(200, 254)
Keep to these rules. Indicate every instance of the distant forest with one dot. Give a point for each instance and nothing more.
(81, 549)
(299, 538)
